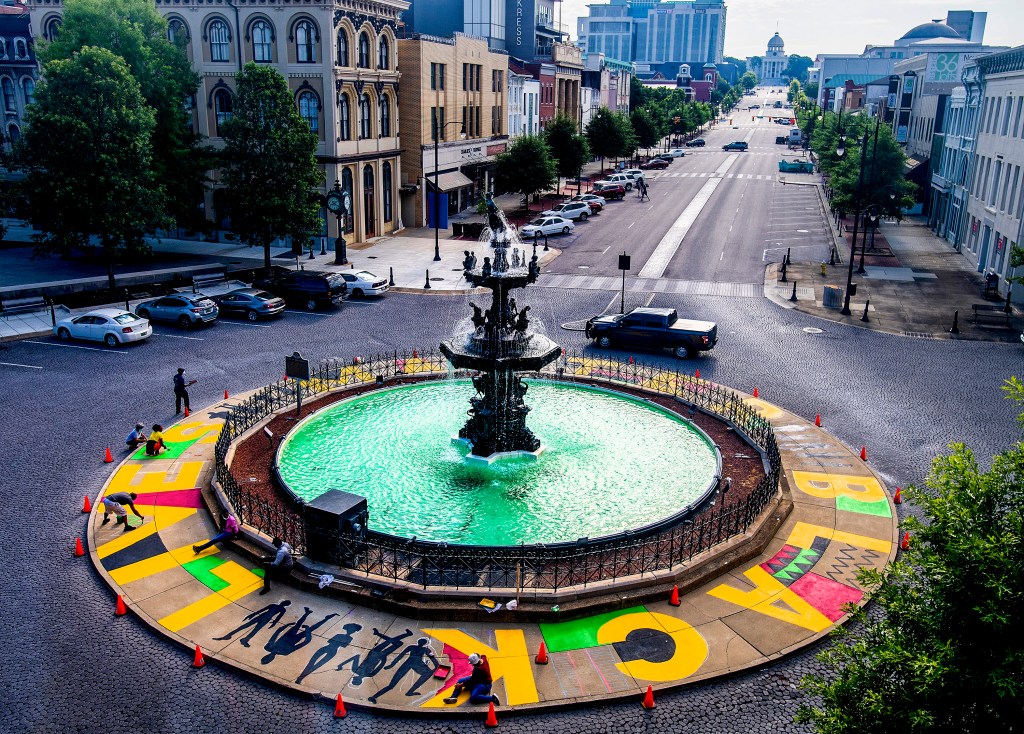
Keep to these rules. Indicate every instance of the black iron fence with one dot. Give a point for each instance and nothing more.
(548, 567)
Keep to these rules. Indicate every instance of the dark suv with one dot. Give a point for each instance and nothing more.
(313, 289)
(696, 143)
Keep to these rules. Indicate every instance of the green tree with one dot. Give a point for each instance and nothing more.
(87, 154)
(606, 135)
(568, 147)
(527, 166)
(793, 91)
(270, 168)
(797, 66)
(741, 65)
(626, 134)
(946, 651)
(135, 31)
(748, 80)
(647, 130)
(811, 90)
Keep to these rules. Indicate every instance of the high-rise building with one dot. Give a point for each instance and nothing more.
(969, 24)
(481, 18)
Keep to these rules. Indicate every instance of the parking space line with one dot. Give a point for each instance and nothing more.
(304, 313)
(16, 364)
(244, 323)
(179, 336)
(74, 346)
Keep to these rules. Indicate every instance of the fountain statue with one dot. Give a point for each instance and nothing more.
(500, 346)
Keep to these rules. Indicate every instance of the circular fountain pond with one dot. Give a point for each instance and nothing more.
(610, 463)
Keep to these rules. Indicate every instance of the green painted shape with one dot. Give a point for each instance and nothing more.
(796, 568)
(579, 634)
(784, 574)
(261, 572)
(880, 507)
(174, 450)
(202, 569)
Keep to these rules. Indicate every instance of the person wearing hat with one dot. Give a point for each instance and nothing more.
(478, 682)
(180, 393)
(137, 437)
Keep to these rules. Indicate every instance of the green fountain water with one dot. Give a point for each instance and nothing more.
(610, 463)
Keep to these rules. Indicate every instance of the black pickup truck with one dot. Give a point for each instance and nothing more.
(653, 328)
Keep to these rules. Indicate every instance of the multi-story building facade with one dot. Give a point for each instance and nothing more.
(17, 69)
(523, 105)
(339, 58)
(524, 28)
(949, 181)
(455, 92)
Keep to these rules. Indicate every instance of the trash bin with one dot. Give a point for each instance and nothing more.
(833, 297)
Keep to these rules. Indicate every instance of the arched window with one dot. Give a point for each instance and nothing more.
(385, 116)
(386, 193)
(345, 117)
(176, 31)
(346, 186)
(364, 116)
(222, 107)
(262, 42)
(309, 109)
(13, 133)
(20, 49)
(3, 48)
(29, 87)
(383, 53)
(368, 194)
(220, 41)
(342, 47)
(7, 87)
(364, 51)
(305, 42)
(52, 29)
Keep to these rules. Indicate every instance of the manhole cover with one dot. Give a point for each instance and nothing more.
(437, 278)
(583, 267)
(812, 330)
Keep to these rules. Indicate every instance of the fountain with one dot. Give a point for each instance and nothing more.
(500, 346)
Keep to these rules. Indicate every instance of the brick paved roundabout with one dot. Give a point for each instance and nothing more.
(832, 517)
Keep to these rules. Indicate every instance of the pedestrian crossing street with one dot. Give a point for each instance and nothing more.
(713, 174)
(649, 285)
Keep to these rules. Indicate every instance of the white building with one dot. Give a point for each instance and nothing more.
(771, 68)
(531, 107)
(515, 104)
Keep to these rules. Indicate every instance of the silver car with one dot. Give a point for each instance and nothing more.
(182, 309)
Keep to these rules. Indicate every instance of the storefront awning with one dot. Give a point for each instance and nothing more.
(451, 180)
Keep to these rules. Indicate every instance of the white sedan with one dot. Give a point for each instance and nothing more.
(570, 210)
(546, 225)
(112, 326)
(636, 173)
(364, 283)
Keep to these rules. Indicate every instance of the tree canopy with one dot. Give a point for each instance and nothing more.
(797, 66)
(568, 147)
(748, 80)
(945, 652)
(646, 127)
(270, 169)
(527, 166)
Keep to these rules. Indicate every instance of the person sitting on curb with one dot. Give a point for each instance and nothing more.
(156, 444)
(136, 438)
(229, 531)
(478, 682)
(279, 567)
(116, 503)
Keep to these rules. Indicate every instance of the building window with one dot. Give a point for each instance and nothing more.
(262, 42)
(364, 51)
(388, 207)
(7, 87)
(52, 29)
(342, 47)
(345, 116)
(368, 198)
(437, 76)
(222, 107)
(437, 123)
(20, 49)
(346, 186)
(305, 42)
(364, 116)
(383, 53)
(385, 116)
(309, 109)
(220, 38)
(13, 134)
(29, 87)
(496, 80)
(177, 33)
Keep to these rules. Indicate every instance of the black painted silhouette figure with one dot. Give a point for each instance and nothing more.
(375, 658)
(270, 614)
(420, 660)
(329, 649)
(291, 637)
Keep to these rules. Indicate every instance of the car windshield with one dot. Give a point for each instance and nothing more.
(263, 296)
(560, 207)
(366, 275)
(124, 318)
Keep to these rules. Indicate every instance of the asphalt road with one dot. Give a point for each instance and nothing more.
(70, 665)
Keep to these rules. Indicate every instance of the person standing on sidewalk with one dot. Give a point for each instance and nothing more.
(279, 567)
(180, 391)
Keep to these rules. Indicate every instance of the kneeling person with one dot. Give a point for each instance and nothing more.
(478, 682)
(115, 503)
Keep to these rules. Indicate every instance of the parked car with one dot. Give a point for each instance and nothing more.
(112, 326)
(755, 106)
(636, 173)
(736, 145)
(695, 143)
(252, 303)
(182, 309)
(674, 153)
(364, 283)
(609, 189)
(546, 225)
(655, 164)
(576, 210)
(596, 203)
(653, 328)
(664, 157)
(625, 179)
(313, 289)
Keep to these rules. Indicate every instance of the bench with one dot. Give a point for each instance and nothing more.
(17, 306)
(986, 310)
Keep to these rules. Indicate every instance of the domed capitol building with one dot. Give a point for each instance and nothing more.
(771, 68)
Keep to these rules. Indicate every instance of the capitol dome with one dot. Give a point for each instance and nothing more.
(776, 41)
(935, 29)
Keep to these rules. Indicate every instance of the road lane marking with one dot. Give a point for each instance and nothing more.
(75, 346)
(607, 248)
(243, 323)
(629, 227)
(658, 262)
(16, 364)
(179, 336)
(305, 313)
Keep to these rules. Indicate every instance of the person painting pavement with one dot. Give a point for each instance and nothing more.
(279, 567)
(137, 437)
(155, 444)
(229, 531)
(478, 682)
(115, 503)
(180, 391)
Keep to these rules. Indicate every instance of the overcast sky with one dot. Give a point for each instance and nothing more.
(838, 26)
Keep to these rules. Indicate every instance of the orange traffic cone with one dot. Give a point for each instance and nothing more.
(339, 708)
(107, 458)
(697, 375)
(898, 499)
(79, 551)
(817, 420)
(355, 360)
(199, 661)
(120, 610)
(905, 543)
(631, 360)
(187, 412)
(492, 718)
(755, 393)
(648, 702)
(285, 378)
(674, 598)
(542, 655)
(225, 394)
(863, 453)
(87, 505)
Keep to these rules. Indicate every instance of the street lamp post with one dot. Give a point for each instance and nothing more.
(438, 130)
(339, 202)
(856, 220)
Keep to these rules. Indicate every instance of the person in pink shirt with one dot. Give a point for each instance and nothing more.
(228, 532)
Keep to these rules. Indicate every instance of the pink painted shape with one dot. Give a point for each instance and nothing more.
(174, 498)
(825, 595)
(460, 665)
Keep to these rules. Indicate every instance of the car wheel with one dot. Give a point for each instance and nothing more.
(565, 229)
(583, 217)
(311, 304)
(682, 351)
(629, 187)
(144, 313)
(111, 341)
(252, 315)
(357, 293)
(605, 342)
(184, 322)
(63, 334)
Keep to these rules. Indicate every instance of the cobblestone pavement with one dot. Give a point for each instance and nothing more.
(905, 399)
